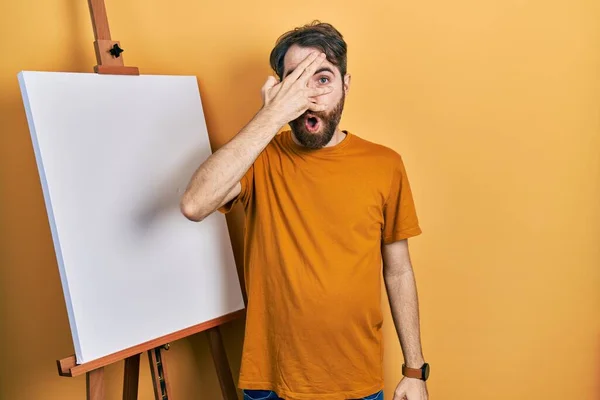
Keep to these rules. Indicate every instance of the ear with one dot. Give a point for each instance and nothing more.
(347, 79)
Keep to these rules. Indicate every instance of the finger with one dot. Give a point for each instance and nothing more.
(308, 61)
(315, 92)
(311, 69)
(317, 107)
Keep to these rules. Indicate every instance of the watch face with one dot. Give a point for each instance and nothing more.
(425, 371)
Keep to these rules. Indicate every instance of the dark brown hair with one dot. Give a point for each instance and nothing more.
(317, 34)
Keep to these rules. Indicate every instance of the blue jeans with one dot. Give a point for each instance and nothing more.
(270, 395)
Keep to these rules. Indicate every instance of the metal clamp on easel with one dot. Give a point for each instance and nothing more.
(159, 373)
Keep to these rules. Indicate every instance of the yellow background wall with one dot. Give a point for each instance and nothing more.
(495, 108)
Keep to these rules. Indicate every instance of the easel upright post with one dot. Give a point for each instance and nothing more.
(131, 377)
(95, 384)
(221, 364)
(108, 51)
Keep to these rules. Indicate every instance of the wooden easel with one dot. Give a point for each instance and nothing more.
(94, 370)
(110, 61)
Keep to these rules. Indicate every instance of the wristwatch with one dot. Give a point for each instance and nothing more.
(418, 373)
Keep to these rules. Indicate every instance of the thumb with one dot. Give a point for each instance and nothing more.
(271, 81)
(399, 395)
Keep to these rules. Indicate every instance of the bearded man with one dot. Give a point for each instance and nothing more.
(328, 213)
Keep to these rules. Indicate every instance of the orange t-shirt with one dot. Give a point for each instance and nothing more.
(315, 224)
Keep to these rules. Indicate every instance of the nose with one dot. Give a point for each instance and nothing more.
(319, 99)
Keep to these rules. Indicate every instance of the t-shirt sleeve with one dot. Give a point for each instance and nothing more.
(247, 183)
(399, 212)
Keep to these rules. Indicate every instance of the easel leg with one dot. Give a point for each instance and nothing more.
(158, 369)
(222, 364)
(131, 378)
(94, 382)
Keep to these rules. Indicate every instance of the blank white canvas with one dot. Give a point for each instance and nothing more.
(114, 155)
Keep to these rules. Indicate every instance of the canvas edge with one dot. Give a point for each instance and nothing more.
(22, 77)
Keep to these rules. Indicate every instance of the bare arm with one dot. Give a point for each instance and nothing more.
(402, 293)
(217, 180)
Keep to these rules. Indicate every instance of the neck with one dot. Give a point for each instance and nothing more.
(337, 137)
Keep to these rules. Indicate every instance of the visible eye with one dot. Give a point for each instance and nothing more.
(323, 80)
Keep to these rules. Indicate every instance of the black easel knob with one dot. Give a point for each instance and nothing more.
(116, 50)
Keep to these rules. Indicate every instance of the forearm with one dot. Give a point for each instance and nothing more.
(223, 169)
(402, 294)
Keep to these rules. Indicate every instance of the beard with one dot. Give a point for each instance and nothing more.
(314, 129)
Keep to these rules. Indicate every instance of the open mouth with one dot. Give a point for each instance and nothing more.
(312, 123)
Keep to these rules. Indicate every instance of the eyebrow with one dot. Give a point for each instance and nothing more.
(322, 69)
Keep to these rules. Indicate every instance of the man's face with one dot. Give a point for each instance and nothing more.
(315, 129)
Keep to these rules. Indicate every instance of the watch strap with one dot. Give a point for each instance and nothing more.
(416, 373)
